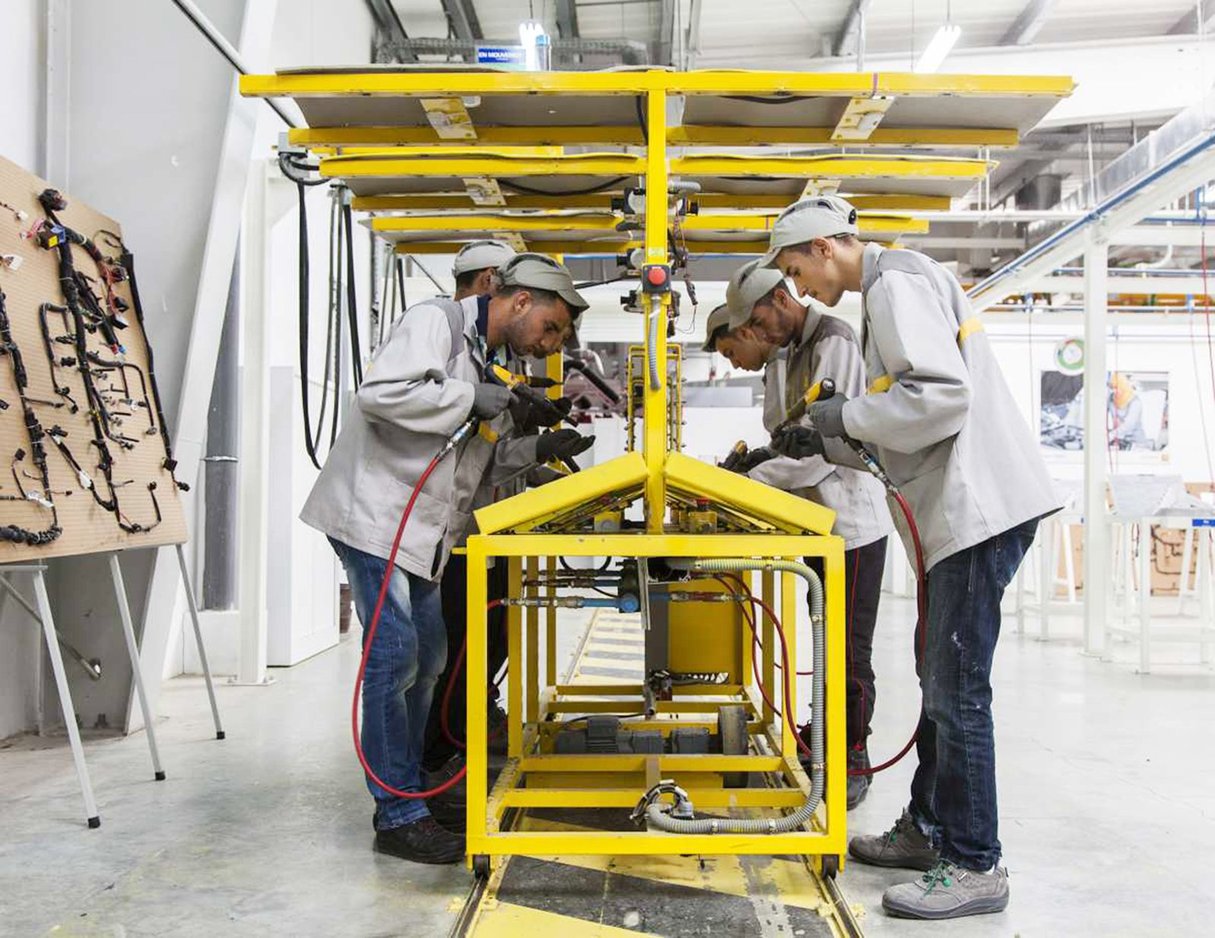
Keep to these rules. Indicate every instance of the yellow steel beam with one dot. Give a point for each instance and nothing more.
(662, 545)
(869, 223)
(627, 798)
(491, 136)
(596, 762)
(431, 149)
(832, 166)
(485, 164)
(704, 82)
(700, 135)
(780, 509)
(602, 201)
(655, 399)
(496, 222)
(687, 135)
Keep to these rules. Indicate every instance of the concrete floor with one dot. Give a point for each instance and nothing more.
(1107, 811)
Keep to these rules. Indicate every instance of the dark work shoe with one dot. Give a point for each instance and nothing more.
(903, 846)
(948, 891)
(495, 725)
(858, 785)
(423, 841)
(450, 814)
(432, 780)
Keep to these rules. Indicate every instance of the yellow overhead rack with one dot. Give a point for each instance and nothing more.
(439, 139)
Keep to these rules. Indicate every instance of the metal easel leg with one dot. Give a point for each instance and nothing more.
(202, 652)
(128, 632)
(65, 699)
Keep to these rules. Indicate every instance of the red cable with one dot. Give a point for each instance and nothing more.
(371, 630)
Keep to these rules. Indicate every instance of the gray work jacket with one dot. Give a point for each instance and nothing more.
(938, 412)
(403, 415)
(827, 348)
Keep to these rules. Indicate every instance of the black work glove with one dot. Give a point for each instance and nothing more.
(561, 444)
(827, 417)
(752, 458)
(798, 442)
(540, 413)
(489, 400)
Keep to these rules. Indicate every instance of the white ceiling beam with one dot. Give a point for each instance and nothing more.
(1189, 24)
(1029, 23)
(845, 40)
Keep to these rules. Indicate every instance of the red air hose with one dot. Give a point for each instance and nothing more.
(372, 626)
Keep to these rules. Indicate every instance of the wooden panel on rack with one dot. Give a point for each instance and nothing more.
(87, 526)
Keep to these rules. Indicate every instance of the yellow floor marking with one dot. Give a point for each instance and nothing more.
(791, 881)
(504, 920)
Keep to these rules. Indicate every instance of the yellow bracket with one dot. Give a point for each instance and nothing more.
(781, 510)
(449, 118)
(616, 478)
(496, 222)
(861, 118)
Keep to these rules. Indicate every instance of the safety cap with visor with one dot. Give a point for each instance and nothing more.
(479, 255)
(540, 272)
(821, 216)
(718, 319)
(750, 284)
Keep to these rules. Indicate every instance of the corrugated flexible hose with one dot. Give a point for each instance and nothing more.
(660, 819)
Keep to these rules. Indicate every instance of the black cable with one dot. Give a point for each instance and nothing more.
(590, 190)
(759, 99)
(400, 265)
(356, 347)
(309, 439)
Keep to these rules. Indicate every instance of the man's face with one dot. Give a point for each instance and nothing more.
(814, 269)
(744, 348)
(775, 318)
(537, 327)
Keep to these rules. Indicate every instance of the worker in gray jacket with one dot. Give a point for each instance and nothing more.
(940, 418)
(424, 383)
(818, 346)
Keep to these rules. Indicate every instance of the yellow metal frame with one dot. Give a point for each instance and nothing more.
(532, 530)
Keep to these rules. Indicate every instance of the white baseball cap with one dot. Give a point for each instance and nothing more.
(478, 255)
(821, 216)
(717, 319)
(750, 284)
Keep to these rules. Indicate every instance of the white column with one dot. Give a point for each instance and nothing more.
(254, 436)
(1096, 524)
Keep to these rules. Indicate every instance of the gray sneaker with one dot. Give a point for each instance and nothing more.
(904, 846)
(948, 891)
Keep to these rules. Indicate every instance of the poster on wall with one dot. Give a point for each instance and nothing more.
(1137, 411)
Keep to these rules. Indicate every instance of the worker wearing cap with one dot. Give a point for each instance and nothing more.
(818, 346)
(938, 415)
(423, 384)
(475, 270)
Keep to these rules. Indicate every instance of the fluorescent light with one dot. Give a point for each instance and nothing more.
(939, 46)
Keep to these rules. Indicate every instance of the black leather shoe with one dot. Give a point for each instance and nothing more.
(858, 785)
(423, 841)
(449, 813)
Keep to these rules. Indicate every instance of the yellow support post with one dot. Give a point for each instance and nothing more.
(476, 683)
(514, 670)
(837, 724)
(654, 402)
(532, 681)
(769, 647)
(788, 621)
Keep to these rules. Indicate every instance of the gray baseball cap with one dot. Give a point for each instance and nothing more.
(541, 272)
(821, 216)
(718, 318)
(750, 284)
(478, 255)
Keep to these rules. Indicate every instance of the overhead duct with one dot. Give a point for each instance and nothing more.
(626, 51)
(1042, 192)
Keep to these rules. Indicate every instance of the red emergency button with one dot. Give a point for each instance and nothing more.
(656, 278)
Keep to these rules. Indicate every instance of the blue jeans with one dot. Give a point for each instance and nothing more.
(953, 793)
(409, 653)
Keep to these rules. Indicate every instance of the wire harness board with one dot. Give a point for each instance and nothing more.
(86, 462)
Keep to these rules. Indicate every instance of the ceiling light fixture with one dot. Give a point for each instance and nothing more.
(938, 48)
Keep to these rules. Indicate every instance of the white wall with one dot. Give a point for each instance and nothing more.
(21, 77)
